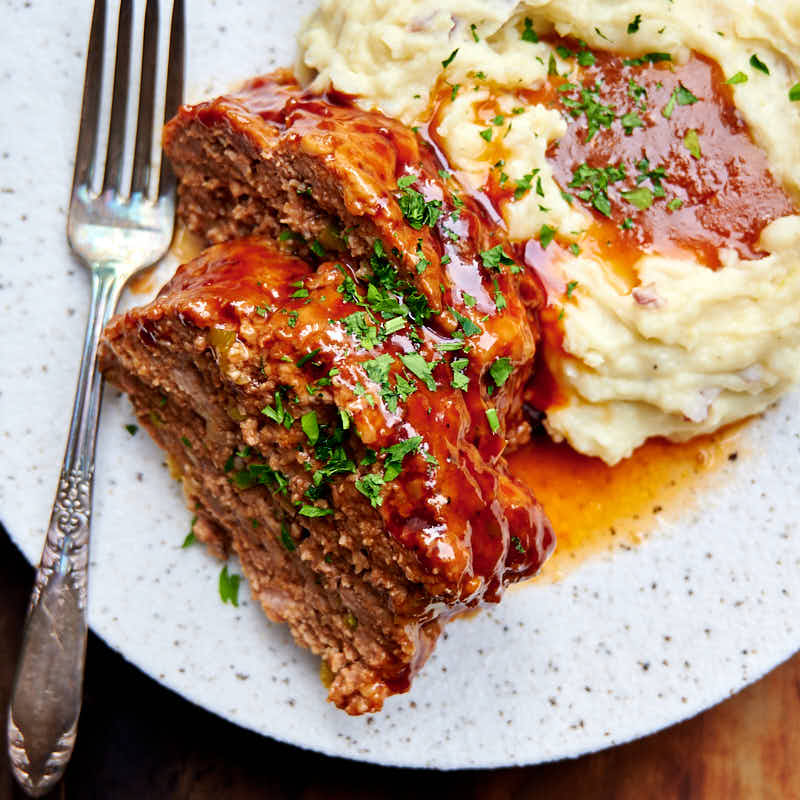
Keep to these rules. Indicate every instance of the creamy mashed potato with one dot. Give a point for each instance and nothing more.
(683, 350)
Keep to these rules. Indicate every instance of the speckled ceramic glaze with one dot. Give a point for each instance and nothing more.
(629, 642)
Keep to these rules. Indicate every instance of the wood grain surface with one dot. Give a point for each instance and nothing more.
(139, 740)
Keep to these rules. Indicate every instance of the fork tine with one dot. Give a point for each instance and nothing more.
(119, 104)
(90, 109)
(144, 125)
(174, 93)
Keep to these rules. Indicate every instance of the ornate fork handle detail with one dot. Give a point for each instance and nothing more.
(46, 697)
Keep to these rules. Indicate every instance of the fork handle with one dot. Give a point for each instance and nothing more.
(46, 696)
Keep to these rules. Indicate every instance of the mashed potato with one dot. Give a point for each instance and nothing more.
(684, 350)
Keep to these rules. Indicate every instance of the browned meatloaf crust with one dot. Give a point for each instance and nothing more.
(339, 420)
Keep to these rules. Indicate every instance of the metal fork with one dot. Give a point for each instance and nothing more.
(115, 232)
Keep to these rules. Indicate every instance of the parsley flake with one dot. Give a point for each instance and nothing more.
(491, 417)
(692, 143)
(546, 235)
(418, 366)
(467, 325)
(642, 197)
(630, 121)
(494, 257)
(310, 426)
(633, 25)
(757, 63)
(449, 60)
(529, 34)
(500, 370)
(229, 587)
(314, 511)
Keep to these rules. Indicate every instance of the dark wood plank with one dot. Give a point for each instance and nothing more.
(139, 740)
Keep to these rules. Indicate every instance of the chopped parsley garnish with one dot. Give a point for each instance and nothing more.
(491, 417)
(185, 442)
(500, 370)
(460, 380)
(454, 91)
(515, 540)
(486, 134)
(418, 366)
(314, 511)
(586, 58)
(406, 180)
(524, 184)
(529, 34)
(692, 143)
(356, 324)
(546, 235)
(132, 429)
(190, 537)
(370, 486)
(630, 121)
(449, 60)
(499, 297)
(377, 369)
(317, 249)
(641, 197)
(674, 204)
(575, 249)
(417, 211)
(469, 300)
(229, 587)
(292, 319)
(307, 357)
(474, 29)
(595, 181)
(794, 93)
(757, 63)
(395, 455)
(393, 325)
(739, 77)
(597, 115)
(633, 25)
(680, 95)
(262, 311)
(571, 286)
(467, 325)
(649, 58)
(310, 426)
(493, 258)
(564, 52)
(279, 413)
(259, 475)
(655, 176)
(286, 538)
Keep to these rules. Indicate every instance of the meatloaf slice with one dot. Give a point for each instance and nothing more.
(327, 178)
(324, 431)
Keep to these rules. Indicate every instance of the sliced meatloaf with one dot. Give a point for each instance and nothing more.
(326, 177)
(339, 413)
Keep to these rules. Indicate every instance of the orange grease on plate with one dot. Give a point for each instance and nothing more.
(595, 508)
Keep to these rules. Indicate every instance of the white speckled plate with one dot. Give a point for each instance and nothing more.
(624, 645)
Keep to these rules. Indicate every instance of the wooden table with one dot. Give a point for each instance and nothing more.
(139, 741)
